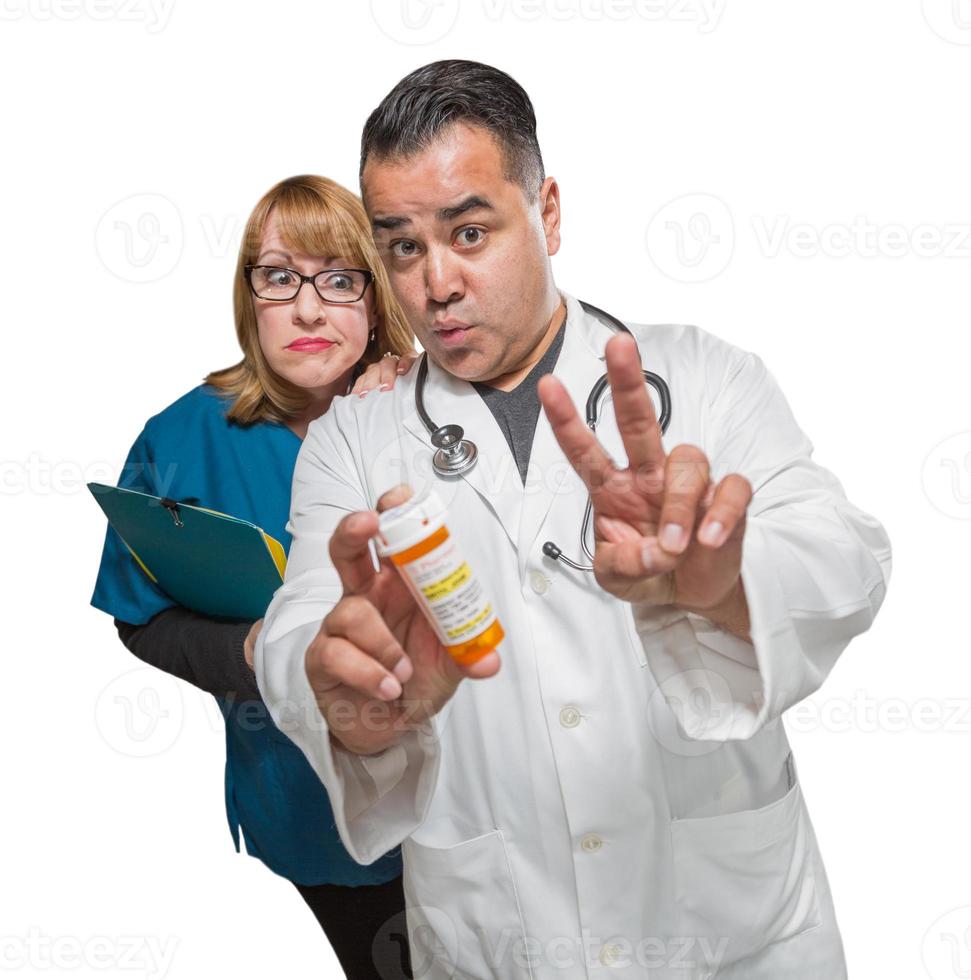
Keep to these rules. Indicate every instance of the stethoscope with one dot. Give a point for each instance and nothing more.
(456, 455)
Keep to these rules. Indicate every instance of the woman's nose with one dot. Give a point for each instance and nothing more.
(308, 307)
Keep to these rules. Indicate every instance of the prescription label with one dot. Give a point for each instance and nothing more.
(443, 582)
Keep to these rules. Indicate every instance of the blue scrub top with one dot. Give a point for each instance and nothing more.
(190, 449)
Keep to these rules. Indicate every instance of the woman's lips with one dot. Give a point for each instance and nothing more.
(309, 346)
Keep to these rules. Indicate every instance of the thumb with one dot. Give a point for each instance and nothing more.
(394, 497)
(454, 672)
(483, 667)
(349, 552)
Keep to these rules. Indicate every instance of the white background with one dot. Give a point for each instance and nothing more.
(813, 162)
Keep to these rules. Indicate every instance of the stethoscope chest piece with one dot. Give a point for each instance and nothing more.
(454, 454)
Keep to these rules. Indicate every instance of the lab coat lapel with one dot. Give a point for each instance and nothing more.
(494, 477)
(581, 362)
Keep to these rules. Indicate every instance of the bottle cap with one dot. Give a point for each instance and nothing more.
(410, 522)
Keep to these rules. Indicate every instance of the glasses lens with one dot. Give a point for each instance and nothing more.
(271, 283)
(341, 286)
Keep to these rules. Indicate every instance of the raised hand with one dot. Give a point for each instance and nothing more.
(664, 534)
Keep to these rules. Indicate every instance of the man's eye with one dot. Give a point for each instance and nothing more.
(470, 236)
(404, 249)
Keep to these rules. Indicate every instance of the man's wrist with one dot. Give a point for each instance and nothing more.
(730, 613)
(365, 753)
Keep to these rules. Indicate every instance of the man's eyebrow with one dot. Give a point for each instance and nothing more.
(471, 203)
(389, 223)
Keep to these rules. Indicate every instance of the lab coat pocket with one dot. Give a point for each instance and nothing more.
(658, 625)
(486, 938)
(744, 880)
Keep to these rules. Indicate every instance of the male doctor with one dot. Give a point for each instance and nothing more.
(610, 793)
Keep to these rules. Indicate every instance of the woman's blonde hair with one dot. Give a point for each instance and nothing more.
(319, 217)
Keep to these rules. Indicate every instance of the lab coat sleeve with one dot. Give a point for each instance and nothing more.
(377, 800)
(815, 570)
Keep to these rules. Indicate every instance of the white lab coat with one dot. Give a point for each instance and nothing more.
(620, 799)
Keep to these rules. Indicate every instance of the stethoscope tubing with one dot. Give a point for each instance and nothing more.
(456, 455)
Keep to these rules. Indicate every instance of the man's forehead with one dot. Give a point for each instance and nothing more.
(465, 162)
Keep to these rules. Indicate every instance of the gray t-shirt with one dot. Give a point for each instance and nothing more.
(517, 411)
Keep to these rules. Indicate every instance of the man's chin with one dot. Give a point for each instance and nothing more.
(464, 363)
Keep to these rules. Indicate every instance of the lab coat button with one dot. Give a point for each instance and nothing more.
(610, 954)
(569, 716)
(591, 843)
(539, 582)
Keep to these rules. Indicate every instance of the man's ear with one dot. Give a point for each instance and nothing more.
(549, 206)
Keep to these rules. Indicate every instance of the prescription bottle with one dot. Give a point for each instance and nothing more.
(429, 559)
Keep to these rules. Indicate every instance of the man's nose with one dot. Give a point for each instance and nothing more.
(443, 278)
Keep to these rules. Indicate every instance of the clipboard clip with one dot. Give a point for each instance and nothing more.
(172, 506)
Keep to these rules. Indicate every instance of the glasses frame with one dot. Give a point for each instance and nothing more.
(248, 272)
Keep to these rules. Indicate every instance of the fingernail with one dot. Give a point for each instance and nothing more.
(400, 369)
(672, 538)
(713, 533)
(363, 392)
(384, 386)
(646, 560)
(389, 689)
(402, 669)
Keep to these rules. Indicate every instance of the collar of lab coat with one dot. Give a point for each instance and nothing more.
(495, 478)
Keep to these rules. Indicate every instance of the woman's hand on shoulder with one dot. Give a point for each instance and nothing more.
(383, 373)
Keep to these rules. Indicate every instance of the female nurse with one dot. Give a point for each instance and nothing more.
(314, 314)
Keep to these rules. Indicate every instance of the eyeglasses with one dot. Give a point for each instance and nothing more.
(333, 285)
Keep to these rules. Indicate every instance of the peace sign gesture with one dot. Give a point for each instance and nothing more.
(664, 534)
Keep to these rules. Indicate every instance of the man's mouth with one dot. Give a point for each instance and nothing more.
(451, 332)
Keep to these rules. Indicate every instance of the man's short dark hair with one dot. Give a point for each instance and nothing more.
(430, 99)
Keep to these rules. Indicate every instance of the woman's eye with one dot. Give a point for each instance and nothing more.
(340, 282)
(278, 277)
(403, 249)
(470, 236)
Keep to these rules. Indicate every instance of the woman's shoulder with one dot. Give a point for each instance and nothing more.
(201, 406)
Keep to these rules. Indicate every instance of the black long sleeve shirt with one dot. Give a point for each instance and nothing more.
(204, 651)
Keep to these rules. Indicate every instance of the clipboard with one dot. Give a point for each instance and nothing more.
(207, 561)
